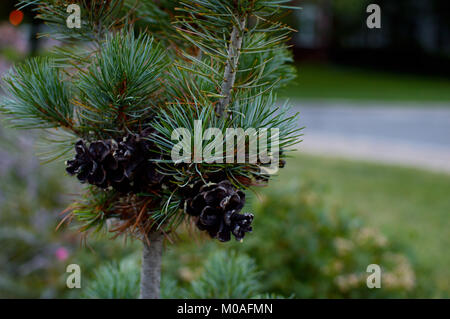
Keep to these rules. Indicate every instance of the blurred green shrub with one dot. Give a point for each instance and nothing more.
(225, 275)
(33, 255)
(315, 251)
(30, 198)
(115, 281)
(305, 249)
(302, 246)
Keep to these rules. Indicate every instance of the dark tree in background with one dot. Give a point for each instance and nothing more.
(414, 36)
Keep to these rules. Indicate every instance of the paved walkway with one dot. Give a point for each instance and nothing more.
(412, 135)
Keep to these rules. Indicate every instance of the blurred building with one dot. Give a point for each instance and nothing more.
(414, 34)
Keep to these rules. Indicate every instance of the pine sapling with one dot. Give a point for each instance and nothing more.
(116, 92)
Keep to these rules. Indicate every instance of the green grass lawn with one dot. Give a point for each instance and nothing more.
(408, 205)
(333, 82)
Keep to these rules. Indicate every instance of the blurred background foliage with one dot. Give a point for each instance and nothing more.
(302, 246)
(316, 228)
(407, 59)
(305, 244)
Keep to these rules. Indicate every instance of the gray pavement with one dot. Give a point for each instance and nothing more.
(415, 135)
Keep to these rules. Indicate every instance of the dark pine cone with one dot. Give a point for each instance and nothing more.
(92, 163)
(125, 165)
(217, 207)
(133, 154)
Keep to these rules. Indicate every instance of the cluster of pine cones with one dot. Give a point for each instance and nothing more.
(217, 207)
(123, 165)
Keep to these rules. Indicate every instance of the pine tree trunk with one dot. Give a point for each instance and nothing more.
(234, 51)
(151, 266)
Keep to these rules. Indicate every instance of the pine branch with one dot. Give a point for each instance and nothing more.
(37, 96)
(263, 71)
(229, 57)
(155, 17)
(234, 52)
(240, 43)
(118, 90)
(98, 18)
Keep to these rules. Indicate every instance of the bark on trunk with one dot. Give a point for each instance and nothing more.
(151, 266)
(234, 51)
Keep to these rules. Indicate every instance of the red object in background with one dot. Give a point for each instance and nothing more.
(16, 17)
